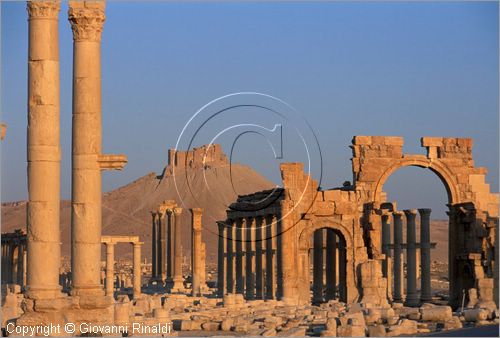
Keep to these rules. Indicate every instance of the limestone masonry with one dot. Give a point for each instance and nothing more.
(295, 260)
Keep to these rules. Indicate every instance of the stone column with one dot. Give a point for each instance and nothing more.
(137, 270)
(164, 226)
(425, 255)
(398, 263)
(240, 282)
(221, 260)
(259, 266)
(331, 264)
(250, 257)
(44, 152)
(178, 281)
(230, 257)
(196, 250)
(87, 20)
(25, 267)
(318, 266)
(270, 258)
(411, 258)
(154, 249)
(343, 270)
(386, 241)
(110, 268)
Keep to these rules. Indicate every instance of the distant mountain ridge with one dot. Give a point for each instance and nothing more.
(126, 210)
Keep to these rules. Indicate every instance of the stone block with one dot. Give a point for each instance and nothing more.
(431, 141)
(475, 315)
(436, 313)
(376, 331)
(227, 324)
(362, 140)
(210, 326)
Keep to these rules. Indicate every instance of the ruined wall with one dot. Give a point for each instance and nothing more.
(201, 157)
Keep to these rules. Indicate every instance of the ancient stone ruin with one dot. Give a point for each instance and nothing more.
(292, 261)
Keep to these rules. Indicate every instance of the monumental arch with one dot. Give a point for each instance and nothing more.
(352, 223)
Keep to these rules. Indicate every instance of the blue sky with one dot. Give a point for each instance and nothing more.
(407, 69)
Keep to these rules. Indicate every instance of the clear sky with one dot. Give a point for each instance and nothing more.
(407, 69)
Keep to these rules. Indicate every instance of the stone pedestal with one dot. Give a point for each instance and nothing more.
(411, 258)
(43, 152)
(425, 255)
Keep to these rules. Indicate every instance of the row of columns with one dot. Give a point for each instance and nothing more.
(14, 259)
(110, 268)
(167, 247)
(329, 266)
(44, 151)
(395, 258)
(248, 257)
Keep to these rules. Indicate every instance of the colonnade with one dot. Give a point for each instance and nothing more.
(44, 150)
(14, 258)
(394, 255)
(110, 242)
(329, 266)
(167, 245)
(249, 257)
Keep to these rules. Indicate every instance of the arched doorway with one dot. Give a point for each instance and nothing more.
(412, 187)
(452, 197)
(327, 265)
(341, 285)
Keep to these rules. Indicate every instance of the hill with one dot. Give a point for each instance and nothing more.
(126, 210)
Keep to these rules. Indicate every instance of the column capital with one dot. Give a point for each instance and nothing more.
(87, 19)
(410, 213)
(177, 211)
(43, 9)
(397, 214)
(424, 211)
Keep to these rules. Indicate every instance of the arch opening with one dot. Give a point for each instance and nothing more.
(418, 187)
(327, 257)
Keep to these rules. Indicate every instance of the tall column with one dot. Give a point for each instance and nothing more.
(44, 151)
(110, 268)
(318, 266)
(259, 267)
(87, 20)
(386, 241)
(342, 270)
(154, 249)
(221, 260)
(230, 257)
(250, 257)
(425, 255)
(240, 282)
(270, 258)
(196, 250)
(411, 258)
(137, 270)
(20, 262)
(331, 264)
(164, 260)
(398, 262)
(178, 281)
